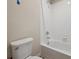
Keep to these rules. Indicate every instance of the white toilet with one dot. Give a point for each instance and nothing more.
(22, 49)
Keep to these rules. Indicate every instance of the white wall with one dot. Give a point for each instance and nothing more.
(57, 19)
(23, 21)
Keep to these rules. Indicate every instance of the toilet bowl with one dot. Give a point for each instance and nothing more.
(22, 48)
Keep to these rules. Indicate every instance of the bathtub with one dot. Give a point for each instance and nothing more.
(56, 50)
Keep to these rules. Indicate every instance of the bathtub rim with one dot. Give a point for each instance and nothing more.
(60, 51)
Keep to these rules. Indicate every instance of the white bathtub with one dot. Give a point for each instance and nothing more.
(56, 50)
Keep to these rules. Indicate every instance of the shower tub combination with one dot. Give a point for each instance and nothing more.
(56, 50)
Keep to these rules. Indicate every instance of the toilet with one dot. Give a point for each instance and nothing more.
(22, 49)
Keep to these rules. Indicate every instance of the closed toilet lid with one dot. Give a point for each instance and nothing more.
(34, 57)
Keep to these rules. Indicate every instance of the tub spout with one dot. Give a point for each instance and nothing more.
(48, 43)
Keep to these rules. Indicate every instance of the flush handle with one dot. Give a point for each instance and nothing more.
(16, 48)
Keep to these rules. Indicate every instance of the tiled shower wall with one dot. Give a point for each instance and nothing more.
(56, 19)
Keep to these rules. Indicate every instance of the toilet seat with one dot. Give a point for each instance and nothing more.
(34, 57)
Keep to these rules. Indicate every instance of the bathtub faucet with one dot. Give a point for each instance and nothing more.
(48, 43)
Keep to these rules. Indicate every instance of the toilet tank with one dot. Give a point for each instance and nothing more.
(21, 49)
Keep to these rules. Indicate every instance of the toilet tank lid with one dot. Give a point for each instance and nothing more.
(21, 41)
